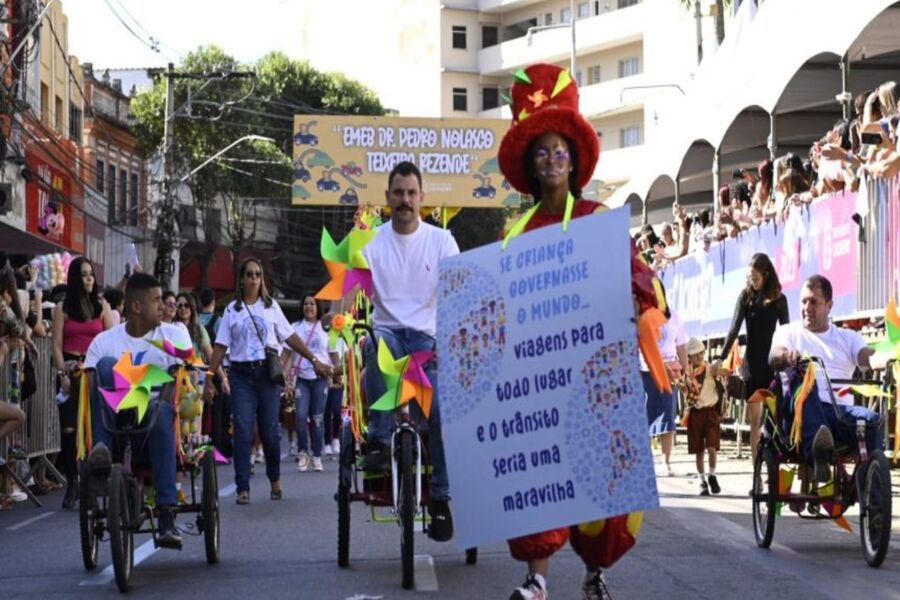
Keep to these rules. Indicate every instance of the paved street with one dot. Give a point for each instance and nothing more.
(692, 548)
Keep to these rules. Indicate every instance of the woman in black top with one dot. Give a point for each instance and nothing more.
(763, 306)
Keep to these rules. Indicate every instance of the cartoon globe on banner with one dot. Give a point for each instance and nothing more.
(603, 394)
(471, 344)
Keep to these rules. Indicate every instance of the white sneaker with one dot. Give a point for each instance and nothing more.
(530, 590)
(302, 461)
(326, 450)
(18, 495)
(336, 446)
(317, 464)
(260, 456)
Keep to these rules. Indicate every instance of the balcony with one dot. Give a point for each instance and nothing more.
(607, 97)
(593, 34)
(499, 6)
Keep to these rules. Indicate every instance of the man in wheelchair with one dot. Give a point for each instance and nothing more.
(144, 306)
(842, 351)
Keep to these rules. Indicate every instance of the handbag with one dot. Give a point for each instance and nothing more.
(736, 386)
(273, 358)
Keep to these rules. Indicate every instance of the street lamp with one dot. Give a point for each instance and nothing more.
(570, 25)
(226, 149)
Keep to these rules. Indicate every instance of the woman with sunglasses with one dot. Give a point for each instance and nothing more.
(170, 304)
(253, 325)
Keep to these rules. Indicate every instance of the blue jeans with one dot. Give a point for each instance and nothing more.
(817, 413)
(255, 400)
(332, 418)
(311, 396)
(402, 342)
(159, 439)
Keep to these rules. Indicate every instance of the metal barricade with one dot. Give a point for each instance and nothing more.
(40, 436)
(878, 261)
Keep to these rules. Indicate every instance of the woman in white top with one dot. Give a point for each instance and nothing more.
(252, 323)
(309, 389)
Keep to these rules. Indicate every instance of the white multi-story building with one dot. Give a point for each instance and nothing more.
(632, 56)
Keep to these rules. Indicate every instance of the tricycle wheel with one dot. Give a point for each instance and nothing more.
(875, 511)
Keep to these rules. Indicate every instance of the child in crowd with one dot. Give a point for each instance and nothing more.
(700, 389)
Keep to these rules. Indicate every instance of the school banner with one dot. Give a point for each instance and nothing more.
(346, 160)
(819, 239)
(540, 395)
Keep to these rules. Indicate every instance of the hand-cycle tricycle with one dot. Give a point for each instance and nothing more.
(123, 504)
(404, 488)
(857, 475)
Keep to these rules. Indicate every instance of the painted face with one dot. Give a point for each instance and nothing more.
(551, 161)
(405, 198)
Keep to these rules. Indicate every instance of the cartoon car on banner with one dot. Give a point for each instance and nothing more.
(302, 173)
(329, 185)
(350, 197)
(301, 138)
(351, 169)
(484, 191)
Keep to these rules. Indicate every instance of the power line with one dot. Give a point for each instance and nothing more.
(68, 66)
(153, 46)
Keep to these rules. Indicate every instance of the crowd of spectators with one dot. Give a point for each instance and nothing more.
(851, 151)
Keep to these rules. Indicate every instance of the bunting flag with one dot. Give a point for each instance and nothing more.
(84, 435)
(404, 379)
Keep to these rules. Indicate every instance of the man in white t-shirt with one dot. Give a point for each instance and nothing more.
(143, 300)
(841, 351)
(404, 259)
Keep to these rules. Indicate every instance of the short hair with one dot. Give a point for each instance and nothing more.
(405, 169)
(166, 294)
(114, 297)
(139, 283)
(206, 296)
(821, 283)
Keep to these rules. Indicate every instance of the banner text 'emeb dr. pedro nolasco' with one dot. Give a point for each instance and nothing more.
(346, 159)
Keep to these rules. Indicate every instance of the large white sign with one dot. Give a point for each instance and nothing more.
(541, 398)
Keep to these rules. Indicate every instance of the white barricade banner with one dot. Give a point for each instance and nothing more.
(541, 399)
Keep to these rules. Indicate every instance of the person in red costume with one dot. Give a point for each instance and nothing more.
(550, 153)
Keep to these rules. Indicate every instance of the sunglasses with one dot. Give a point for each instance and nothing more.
(183, 305)
(253, 274)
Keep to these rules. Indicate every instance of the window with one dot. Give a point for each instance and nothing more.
(101, 171)
(133, 213)
(123, 196)
(630, 136)
(593, 75)
(629, 66)
(490, 98)
(627, 3)
(584, 10)
(459, 37)
(565, 15)
(111, 194)
(460, 99)
(489, 36)
(548, 19)
(59, 116)
(75, 117)
(45, 104)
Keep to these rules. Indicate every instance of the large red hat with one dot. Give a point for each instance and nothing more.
(545, 99)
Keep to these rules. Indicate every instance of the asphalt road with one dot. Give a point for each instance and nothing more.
(692, 548)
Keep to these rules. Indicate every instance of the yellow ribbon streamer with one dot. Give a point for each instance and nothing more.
(84, 435)
(522, 223)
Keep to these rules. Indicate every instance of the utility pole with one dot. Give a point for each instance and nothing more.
(698, 14)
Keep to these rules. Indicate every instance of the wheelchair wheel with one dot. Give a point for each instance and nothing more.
(345, 480)
(875, 514)
(89, 521)
(471, 556)
(121, 537)
(209, 508)
(407, 506)
(765, 494)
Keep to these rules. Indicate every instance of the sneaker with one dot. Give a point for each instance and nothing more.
(317, 464)
(714, 484)
(260, 457)
(302, 461)
(377, 458)
(336, 446)
(18, 495)
(326, 450)
(594, 586)
(822, 451)
(704, 488)
(530, 590)
(167, 535)
(441, 529)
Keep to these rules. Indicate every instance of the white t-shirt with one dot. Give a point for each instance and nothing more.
(115, 342)
(671, 335)
(238, 332)
(837, 347)
(405, 275)
(316, 339)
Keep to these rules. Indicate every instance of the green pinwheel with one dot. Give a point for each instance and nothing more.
(346, 264)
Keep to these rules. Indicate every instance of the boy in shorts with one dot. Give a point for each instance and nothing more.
(702, 398)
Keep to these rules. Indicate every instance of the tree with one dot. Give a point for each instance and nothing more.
(216, 110)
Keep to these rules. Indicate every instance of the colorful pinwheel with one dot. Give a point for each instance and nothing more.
(184, 352)
(132, 385)
(892, 325)
(346, 264)
(404, 378)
